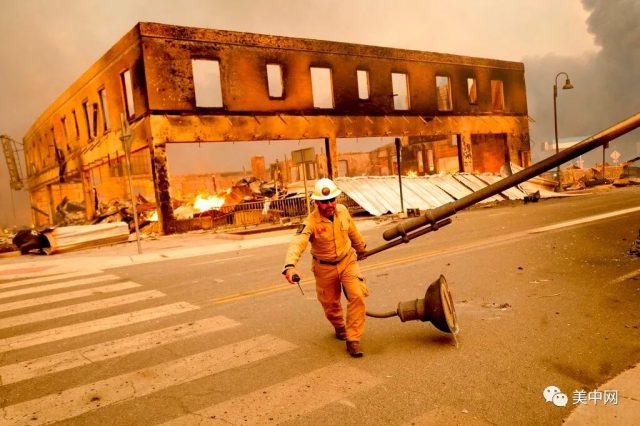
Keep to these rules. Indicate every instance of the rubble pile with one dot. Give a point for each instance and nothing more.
(122, 211)
(69, 213)
(6, 241)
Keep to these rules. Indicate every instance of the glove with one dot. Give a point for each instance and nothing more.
(290, 273)
(362, 255)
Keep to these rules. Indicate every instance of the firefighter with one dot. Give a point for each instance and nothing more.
(336, 245)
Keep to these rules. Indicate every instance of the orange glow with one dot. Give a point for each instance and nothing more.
(153, 217)
(204, 203)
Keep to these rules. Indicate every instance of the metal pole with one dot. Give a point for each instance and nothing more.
(126, 142)
(555, 126)
(604, 147)
(306, 193)
(567, 85)
(399, 174)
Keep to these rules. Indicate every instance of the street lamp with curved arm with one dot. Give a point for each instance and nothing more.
(567, 85)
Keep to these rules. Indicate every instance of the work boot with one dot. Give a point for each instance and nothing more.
(354, 349)
(341, 333)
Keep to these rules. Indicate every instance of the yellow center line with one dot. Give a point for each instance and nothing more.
(434, 253)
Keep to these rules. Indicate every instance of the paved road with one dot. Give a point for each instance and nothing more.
(545, 294)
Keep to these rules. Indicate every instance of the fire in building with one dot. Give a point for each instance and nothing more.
(277, 110)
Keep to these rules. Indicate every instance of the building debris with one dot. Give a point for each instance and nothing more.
(380, 195)
(69, 213)
(30, 240)
(67, 238)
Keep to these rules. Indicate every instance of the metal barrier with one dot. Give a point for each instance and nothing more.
(254, 213)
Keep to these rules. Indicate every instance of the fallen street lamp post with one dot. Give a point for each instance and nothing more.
(437, 306)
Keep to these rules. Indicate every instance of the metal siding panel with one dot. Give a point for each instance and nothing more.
(475, 184)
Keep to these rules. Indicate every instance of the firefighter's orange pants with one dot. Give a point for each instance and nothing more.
(330, 280)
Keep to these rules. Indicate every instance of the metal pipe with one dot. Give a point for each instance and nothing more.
(408, 237)
(397, 141)
(434, 215)
(382, 314)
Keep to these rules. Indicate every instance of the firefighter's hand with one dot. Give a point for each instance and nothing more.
(292, 275)
(362, 255)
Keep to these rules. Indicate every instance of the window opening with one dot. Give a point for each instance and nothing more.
(65, 131)
(207, 83)
(321, 87)
(87, 118)
(430, 161)
(274, 80)
(420, 158)
(363, 84)
(141, 163)
(400, 91)
(128, 93)
(343, 168)
(94, 127)
(443, 88)
(75, 122)
(497, 95)
(472, 90)
(105, 110)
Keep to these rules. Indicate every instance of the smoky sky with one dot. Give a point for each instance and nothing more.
(606, 89)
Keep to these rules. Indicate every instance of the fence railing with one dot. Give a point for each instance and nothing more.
(250, 214)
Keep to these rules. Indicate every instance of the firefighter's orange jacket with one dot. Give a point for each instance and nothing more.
(330, 240)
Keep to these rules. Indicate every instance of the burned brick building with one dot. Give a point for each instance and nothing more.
(186, 86)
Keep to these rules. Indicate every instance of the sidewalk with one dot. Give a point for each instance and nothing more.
(154, 249)
(625, 412)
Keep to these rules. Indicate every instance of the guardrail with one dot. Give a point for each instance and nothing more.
(254, 213)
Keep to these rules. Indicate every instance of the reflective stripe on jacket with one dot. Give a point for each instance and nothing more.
(331, 241)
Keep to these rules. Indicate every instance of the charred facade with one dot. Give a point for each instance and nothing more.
(181, 85)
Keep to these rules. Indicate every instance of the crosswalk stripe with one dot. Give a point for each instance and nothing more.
(287, 400)
(57, 286)
(27, 303)
(44, 278)
(17, 372)
(12, 271)
(74, 402)
(79, 308)
(74, 330)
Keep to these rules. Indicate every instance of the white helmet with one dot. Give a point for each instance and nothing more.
(325, 189)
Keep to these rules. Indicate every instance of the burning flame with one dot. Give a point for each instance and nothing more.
(412, 173)
(204, 203)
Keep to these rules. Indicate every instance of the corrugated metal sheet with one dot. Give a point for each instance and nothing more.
(513, 193)
(381, 194)
(476, 184)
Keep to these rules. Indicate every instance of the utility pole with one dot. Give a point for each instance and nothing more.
(126, 138)
(399, 174)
